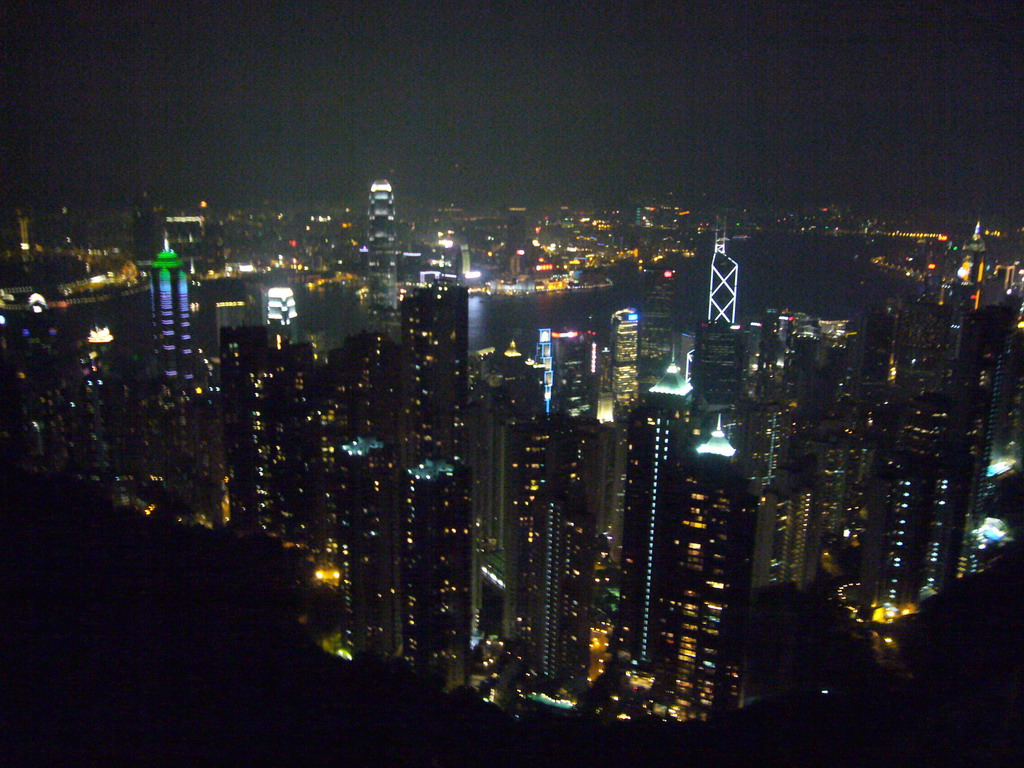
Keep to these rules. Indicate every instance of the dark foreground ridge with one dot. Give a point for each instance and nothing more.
(133, 640)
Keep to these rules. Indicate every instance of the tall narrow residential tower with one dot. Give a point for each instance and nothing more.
(435, 381)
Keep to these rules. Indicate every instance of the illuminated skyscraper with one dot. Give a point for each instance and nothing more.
(624, 356)
(719, 354)
(916, 510)
(435, 557)
(382, 255)
(552, 467)
(546, 361)
(972, 271)
(363, 518)
(661, 291)
(575, 369)
(365, 390)
(724, 283)
(655, 431)
(270, 449)
(172, 325)
(687, 553)
(280, 309)
(987, 381)
(92, 451)
(435, 382)
(185, 234)
(568, 364)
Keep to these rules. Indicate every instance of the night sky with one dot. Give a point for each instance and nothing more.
(909, 106)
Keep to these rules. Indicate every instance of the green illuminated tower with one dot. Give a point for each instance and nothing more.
(171, 323)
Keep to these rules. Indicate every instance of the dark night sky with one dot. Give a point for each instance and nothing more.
(908, 105)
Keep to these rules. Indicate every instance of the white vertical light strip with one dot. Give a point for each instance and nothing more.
(649, 575)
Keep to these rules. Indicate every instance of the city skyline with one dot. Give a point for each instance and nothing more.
(462, 514)
(514, 385)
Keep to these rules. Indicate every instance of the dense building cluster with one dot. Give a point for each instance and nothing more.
(615, 509)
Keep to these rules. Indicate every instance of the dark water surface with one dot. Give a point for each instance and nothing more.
(826, 276)
(829, 277)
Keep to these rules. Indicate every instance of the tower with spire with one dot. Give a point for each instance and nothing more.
(971, 273)
(718, 444)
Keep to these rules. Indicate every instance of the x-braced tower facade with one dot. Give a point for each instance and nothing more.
(724, 280)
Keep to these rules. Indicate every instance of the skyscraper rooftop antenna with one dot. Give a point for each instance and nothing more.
(718, 443)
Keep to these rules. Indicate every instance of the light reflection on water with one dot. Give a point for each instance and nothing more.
(798, 272)
(494, 321)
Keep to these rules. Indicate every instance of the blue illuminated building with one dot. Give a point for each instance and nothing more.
(544, 361)
(172, 325)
